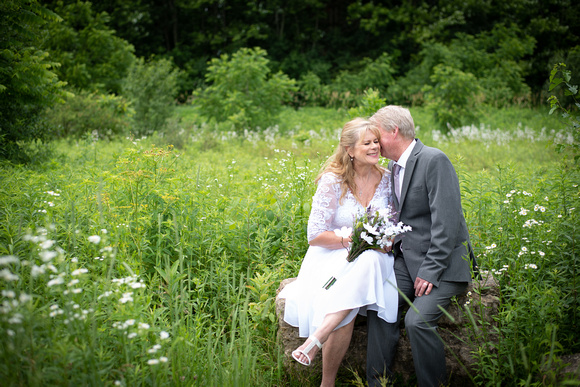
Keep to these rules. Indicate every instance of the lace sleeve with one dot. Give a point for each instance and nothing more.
(324, 205)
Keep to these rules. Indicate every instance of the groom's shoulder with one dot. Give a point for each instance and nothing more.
(429, 151)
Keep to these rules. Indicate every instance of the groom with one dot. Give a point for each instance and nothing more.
(432, 262)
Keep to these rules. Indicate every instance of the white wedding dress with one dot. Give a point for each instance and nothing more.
(367, 283)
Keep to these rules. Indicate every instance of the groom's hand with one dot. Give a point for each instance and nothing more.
(422, 287)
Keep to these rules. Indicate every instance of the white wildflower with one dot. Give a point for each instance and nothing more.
(8, 276)
(8, 259)
(47, 255)
(79, 271)
(94, 239)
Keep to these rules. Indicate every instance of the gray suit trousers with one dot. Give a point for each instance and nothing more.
(426, 344)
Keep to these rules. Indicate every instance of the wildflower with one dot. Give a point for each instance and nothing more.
(530, 266)
(8, 293)
(104, 230)
(131, 335)
(46, 255)
(8, 276)
(541, 253)
(144, 326)
(79, 271)
(163, 359)
(47, 244)
(126, 298)
(8, 259)
(106, 294)
(163, 335)
(15, 319)
(152, 361)
(94, 239)
(24, 297)
(524, 249)
(55, 281)
(73, 282)
(523, 211)
(130, 322)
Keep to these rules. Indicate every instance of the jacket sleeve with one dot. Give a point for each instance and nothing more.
(445, 207)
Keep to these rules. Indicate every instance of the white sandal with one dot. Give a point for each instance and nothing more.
(313, 341)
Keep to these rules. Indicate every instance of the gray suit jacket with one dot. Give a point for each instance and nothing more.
(438, 247)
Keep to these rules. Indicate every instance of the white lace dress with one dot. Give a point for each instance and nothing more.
(368, 283)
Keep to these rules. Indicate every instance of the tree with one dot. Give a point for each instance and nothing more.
(28, 83)
(90, 54)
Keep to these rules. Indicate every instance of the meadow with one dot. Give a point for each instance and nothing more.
(155, 261)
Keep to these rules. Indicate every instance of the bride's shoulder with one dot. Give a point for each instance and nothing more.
(329, 178)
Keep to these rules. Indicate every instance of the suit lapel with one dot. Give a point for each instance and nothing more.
(409, 169)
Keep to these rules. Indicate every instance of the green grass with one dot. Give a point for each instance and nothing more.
(194, 241)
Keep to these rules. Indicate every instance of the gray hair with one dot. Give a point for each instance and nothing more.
(391, 116)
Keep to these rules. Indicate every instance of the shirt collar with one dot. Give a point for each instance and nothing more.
(406, 154)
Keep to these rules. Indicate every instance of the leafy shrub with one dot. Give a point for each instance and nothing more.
(104, 115)
(571, 115)
(492, 58)
(453, 98)
(376, 73)
(370, 103)
(151, 87)
(241, 92)
(311, 91)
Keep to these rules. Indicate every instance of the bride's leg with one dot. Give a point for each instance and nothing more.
(333, 352)
(329, 322)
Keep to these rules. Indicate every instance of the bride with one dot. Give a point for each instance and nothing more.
(350, 183)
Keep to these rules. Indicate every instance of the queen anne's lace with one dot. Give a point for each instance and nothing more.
(328, 214)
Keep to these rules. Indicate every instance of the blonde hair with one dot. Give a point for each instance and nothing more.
(391, 116)
(340, 163)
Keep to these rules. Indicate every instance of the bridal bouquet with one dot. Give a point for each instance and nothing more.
(372, 230)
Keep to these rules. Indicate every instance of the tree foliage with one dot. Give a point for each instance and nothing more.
(151, 88)
(91, 56)
(242, 91)
(28, 82)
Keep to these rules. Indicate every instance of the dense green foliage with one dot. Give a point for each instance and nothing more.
(151, 87)
(570, 115)
(28, 83)
(327, 37)
(126, 261)
(94, 114)
(91, 56)
(242, 92)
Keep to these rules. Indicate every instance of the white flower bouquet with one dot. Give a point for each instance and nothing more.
(373, 229)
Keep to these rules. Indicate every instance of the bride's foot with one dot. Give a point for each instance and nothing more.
(306, 352)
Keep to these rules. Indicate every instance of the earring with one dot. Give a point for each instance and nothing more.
(351, 159)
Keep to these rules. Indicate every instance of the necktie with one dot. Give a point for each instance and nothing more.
(396, 170)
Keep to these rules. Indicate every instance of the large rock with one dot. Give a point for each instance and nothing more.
(483, 301)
